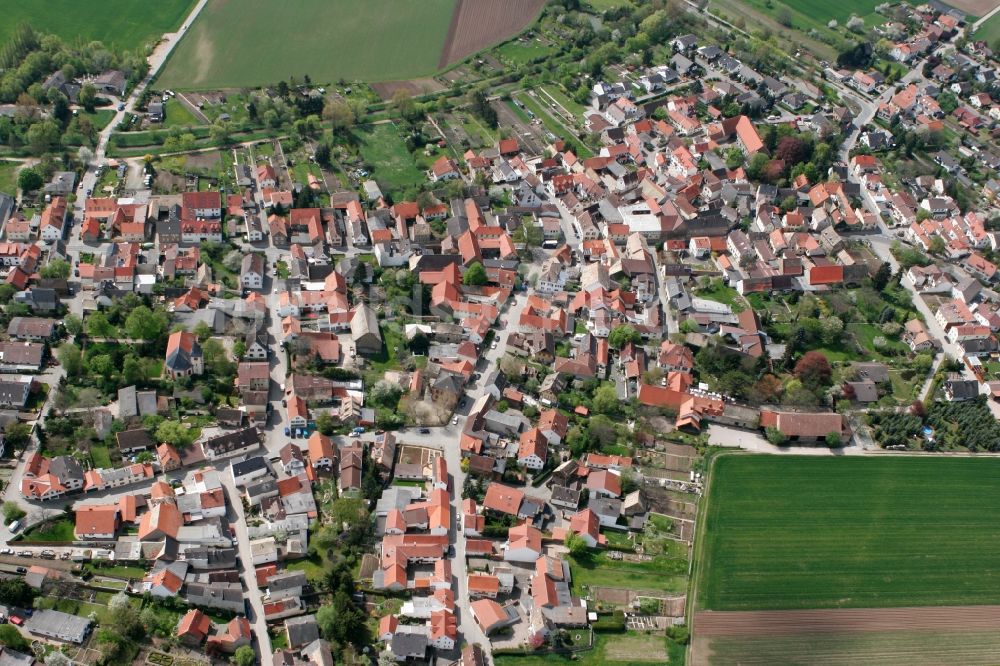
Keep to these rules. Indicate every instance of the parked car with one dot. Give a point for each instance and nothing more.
(286, 428)
(24, 553)
(16, 620)
(425, 431)
(6, 551)
(22, 570)
(454, 421)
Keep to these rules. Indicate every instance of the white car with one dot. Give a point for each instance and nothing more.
(454, 421)
(493, 346)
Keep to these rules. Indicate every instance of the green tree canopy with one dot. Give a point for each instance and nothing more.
(244, 656)
(98, 326)
(145, 324)
(620, 335)
(57, 268)
(475, 275)
(175, 432)
(29, 180)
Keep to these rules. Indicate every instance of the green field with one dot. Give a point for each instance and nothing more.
(177, 114)
(664, 573)
(125, 24)
(384, 149)
(243, 43)
(8, 176)
(524, 50)
(801, 532)
(989, 32)
(901, 648)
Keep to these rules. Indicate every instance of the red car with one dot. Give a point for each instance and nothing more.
(16, 620)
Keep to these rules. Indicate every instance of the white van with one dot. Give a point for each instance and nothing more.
(14, 526)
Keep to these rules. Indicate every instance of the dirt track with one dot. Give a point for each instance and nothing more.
(477, 24)
(937, 618)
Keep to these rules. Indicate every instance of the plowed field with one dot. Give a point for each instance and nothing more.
(477, 24)
(895, 636)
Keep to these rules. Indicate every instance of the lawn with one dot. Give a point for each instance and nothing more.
(720, 293)
(245, 43)
(523, 50)
(989, 32)
(567, 103)
(100, 117)
(58, 530)
(661, 574)
(384, 149)
(8, 177)
(176, 114)
(100, 456)
(815, 14)
(785, 532)
(551, 124)
(124, 24)
(637, 648)
(117, 571)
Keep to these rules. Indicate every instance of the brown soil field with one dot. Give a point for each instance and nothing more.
(915, 636)
(937, 618)
(977, 8)
(413, 87)
(478, 24)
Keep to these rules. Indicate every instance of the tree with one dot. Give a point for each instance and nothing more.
(605, 400)
(71, 358)
(174, 432)
(475, 275)
(16, 592)
(418, 344)
(57, 268)
(145, 324)
(832, 328)
(12, 511)
(767, 389)
(87, 97)
(244, 656)
(621, 335)
(132, 370)
(98, 326)
(384, 394)
(12, 638)
(17, 435)
(217, 361)
(340, 115)
(814, 371)
(882, 276)
(937, 245)
(202, 331)
(833, 439)
(575, 544)
(7, 292)
(775, 436)
(29, 180)
(72, 323)
(325, 423)
(481, 106)
(239, 349)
